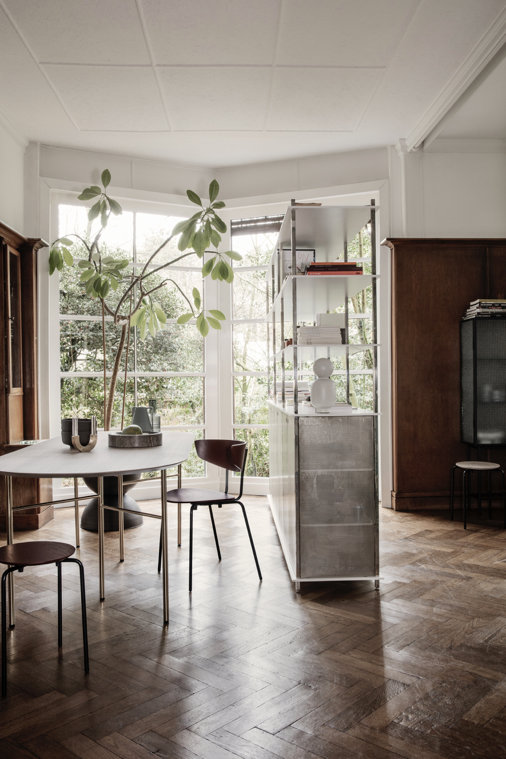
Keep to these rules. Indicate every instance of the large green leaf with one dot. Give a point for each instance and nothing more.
(232, 254)
(202, 325)
(90, 192)
(115, 207)
(219, 224)
(214, 189)
(193, 197)
(215, 324)
(106, 177)
(184, 318)
(207, 268)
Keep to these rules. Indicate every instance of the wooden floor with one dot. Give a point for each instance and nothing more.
(258, 671)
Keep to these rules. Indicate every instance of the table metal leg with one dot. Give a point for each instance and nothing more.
(179, 483)
(100, 494)
(121, 519)
(76, 511)
(165, 562)
(10, 539)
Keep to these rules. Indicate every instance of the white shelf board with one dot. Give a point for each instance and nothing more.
(320, 293)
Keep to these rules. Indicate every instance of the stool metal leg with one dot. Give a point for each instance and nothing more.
(465, 496)
(84, 621)
(60, 606)
(8, 572)
(452, 491)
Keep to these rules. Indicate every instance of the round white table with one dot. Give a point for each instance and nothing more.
(52, 458)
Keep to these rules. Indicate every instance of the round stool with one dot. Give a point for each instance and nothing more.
(467, 468)
(31, 554)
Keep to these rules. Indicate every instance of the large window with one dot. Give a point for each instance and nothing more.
(254, 239)
(168, 368)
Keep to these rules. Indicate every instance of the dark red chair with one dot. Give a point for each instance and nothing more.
(33, 554)
(230, 455)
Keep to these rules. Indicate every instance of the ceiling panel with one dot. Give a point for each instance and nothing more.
(110, 97)
(320, 99)
(345, 33)
(213, 32)
(207, 98)
(77, 31)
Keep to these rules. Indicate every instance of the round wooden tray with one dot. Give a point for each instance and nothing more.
(144, 440)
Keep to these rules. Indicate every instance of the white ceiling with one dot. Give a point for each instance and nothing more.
(228, 82)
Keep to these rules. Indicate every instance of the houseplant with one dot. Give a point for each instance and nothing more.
(128, 298)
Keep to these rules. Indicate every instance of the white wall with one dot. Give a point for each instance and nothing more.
(12, 184)
(454, 188)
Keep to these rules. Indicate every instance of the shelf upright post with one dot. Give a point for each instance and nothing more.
(347, 329)
(293, 243)
(374, 315)
(271, 334)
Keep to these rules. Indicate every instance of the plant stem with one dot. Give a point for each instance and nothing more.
(114, 377)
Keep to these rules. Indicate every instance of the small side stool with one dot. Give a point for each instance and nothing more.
(32, 554)
(467, 468)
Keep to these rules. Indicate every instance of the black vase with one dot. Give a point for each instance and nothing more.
(83, 430)
(89, 517)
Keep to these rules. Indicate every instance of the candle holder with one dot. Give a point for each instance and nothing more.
(80, 434)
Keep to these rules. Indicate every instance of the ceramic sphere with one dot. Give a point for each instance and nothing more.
(323, 367)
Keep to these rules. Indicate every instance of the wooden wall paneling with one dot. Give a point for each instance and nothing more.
(433, 281)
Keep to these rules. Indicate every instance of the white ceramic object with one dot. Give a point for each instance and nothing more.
(323, 389)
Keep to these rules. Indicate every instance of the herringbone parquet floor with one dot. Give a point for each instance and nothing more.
(257, 671)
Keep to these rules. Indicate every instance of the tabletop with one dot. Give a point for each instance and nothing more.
(52, 458)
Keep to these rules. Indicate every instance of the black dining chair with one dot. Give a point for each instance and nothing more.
(31, 554)
(229, 455)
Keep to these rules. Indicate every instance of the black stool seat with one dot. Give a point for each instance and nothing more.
(36, 553)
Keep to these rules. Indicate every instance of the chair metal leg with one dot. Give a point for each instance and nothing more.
(214, 532)
(84, 619)
(250, 539)
(60, 606)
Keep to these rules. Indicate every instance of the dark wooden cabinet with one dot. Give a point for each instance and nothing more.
(18, 395)
(433, 282)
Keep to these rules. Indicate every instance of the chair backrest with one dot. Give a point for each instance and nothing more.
(228, 454)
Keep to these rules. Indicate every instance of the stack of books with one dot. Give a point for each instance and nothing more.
(486, 308)
(333, 267)
(319, 335)
(302, 387)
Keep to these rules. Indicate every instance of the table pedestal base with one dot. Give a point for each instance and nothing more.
(89, 517)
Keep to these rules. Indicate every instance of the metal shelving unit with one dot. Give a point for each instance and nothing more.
(323, 483)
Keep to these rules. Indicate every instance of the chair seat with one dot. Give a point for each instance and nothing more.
(35, 553)
(478, 466)
(200, 496)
